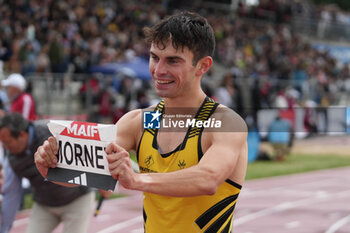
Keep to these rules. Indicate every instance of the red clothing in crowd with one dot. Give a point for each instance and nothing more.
(25, 105)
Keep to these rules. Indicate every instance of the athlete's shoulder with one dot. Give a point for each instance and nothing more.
(134, 117)
(231, 120)
(131, 115)
(129, 129)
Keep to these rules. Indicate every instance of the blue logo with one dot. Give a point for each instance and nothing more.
(151, 120)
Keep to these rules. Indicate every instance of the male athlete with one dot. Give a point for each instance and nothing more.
(191, 178)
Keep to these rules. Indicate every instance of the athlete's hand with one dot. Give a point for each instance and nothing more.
(46, 156)
(120, 165)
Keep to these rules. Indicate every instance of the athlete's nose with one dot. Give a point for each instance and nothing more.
(160, 69)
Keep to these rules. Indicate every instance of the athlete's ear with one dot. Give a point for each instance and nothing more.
(204, 65)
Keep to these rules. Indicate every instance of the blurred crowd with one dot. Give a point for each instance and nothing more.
(51, 36)
(280, 64)
(329, 21)
(261, 53)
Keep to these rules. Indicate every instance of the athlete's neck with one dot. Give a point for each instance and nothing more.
(194, 101)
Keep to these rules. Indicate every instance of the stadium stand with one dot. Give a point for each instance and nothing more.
(265, 49)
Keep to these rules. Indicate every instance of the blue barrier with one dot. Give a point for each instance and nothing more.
(253, 145)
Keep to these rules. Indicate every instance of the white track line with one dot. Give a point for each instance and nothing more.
(286, 206)
(254, 193)
(122, 225)
(338, 224)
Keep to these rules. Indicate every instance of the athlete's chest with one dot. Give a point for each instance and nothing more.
(169, 141)
(182, 155)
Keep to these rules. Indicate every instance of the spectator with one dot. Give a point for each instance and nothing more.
(281, 99)
(21, 101)
(28, 56)
(127, 89)
(56, 53)
(43, 61)
(225, 92)
(24, 104)
(310, 118)
(280, 131)
(52, 203)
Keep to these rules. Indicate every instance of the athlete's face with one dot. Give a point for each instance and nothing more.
(172, 71)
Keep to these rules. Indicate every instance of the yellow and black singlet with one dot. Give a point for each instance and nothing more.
(206, 213)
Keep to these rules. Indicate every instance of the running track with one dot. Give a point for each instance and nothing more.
(314, 202)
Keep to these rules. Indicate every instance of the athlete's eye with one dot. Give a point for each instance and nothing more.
(154, 57)
(173, 61)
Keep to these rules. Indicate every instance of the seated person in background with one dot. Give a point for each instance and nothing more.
(280, 131)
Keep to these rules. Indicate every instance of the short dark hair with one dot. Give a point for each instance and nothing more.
(15, 123)
(185, 29)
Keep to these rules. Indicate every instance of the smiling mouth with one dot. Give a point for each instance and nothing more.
(164, 82)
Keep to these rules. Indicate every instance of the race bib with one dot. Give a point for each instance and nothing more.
(81, 153)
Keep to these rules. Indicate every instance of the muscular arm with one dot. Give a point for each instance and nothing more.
(217, 164)
(129, 130)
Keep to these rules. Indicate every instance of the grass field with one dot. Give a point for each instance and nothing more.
(295, 163)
